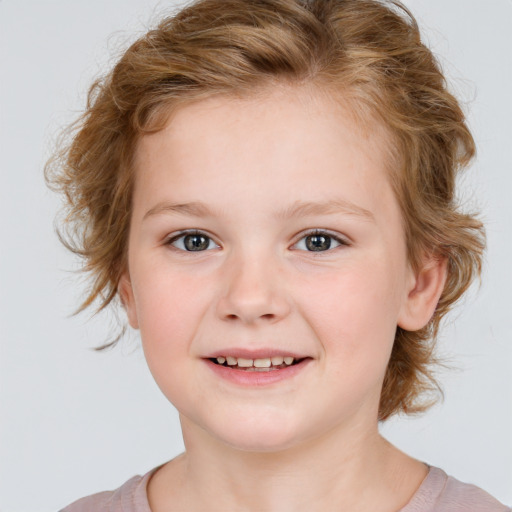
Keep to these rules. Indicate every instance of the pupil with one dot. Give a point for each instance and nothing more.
(196, 242)
(318, 242)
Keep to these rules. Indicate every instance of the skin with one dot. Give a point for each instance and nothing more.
(308, 442)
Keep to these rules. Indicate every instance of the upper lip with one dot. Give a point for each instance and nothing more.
(260, 353)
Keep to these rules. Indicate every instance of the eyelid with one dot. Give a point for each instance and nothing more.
(173, 237)
(342, 240)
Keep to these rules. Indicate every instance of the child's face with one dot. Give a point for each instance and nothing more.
(251, 179)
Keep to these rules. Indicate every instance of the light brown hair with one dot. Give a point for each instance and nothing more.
(366, 51)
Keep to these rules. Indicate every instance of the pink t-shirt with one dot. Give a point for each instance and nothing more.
(438, 493)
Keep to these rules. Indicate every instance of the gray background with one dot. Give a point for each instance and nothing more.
(75, 422)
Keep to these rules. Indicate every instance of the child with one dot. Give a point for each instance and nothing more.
(268, 187)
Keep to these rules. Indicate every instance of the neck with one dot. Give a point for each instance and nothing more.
(361, 471)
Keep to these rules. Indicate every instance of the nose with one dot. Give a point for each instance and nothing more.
(254, 292)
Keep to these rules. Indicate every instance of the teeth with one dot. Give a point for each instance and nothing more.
(277, 360)
(261, 364)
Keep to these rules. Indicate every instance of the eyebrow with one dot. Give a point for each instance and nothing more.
(194, 209)
(330, 207)
(297, 209)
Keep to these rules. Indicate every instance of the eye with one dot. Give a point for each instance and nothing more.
(319, 241)
(192, 241)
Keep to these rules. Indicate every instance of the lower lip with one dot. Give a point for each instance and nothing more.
(248, 378)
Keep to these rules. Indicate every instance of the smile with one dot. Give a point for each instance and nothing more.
(265, 364)
(259, 370)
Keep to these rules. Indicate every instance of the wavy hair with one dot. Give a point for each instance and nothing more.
(369, 51)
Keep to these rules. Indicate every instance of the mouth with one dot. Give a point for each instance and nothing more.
(263, 364)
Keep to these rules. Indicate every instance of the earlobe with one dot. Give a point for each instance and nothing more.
(423, 294)
(127, 299)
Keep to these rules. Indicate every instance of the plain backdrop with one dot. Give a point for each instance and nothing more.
(74, 421)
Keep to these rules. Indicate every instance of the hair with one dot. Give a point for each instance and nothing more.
(368, 51)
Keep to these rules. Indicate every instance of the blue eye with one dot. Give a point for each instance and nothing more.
(319, 241)
(192, 242)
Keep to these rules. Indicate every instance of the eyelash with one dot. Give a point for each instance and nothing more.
(319, 232)
(183, 234)
(315, 232)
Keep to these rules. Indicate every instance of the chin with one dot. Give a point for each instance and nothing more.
(259, 436)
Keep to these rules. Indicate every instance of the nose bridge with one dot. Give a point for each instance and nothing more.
(254, 288)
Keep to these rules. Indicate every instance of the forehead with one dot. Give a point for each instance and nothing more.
(280, 107)
(281, 139)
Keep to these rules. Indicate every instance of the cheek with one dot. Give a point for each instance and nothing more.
(169, 308)
(354, 312)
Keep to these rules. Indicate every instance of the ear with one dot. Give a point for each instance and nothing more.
(423, 293)
(128, 300)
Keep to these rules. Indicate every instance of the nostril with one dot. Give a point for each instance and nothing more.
(266, 316)
(251, 305)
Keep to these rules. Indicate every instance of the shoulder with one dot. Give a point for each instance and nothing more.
(130, 497)
(442, 493)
